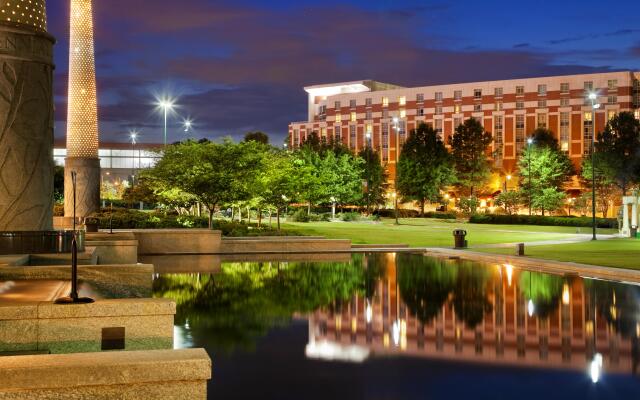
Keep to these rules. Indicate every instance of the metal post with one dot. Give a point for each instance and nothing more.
(165, 125)
(529, 167)
(395, 125)
(593, 167)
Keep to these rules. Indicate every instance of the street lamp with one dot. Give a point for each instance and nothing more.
(166, 105)
(396, 120)
(133, 135)
(507, 179)
(395, 201)
(187, 124)
(529, 142)
(368, 149)
(594, 106)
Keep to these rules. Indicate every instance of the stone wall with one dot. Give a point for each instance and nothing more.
(177, 241)
(26, 129)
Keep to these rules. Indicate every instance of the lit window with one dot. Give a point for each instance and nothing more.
(338, 118)
(420, 97)
(612, 84)
(338, 135)
(564, 87)
(542, 90)
(402, 100)
(438, 96)
(519, 90)
(497, 130)
(588, 86)
(354, 116)
(477, 94)
(369, 128)
(438, 127)
(323, 132)
(352, 103)
(611, 114)
(385, 102)
(456, 109)
(565, 122)
(457, 95)
(498, 92)
(637, 114)
(588, 132)
(519, 132)
(403, 113)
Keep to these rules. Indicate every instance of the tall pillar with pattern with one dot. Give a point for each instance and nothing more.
(26, 117)
(82, 115)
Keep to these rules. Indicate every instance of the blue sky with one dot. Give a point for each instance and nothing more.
(240, 65)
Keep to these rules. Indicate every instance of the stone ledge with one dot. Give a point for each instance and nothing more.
(56, 371)
(108, 308)
(22, 311)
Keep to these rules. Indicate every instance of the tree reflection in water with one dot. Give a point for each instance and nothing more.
(544, 290)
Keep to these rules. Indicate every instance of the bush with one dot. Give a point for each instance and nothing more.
(439, 215)
(301, 215)
(584, 222)
(350, 216)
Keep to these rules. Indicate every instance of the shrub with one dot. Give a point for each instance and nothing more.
(350, 216)
(301, 215)
(469, 205)
(439, 215)
(540, 220)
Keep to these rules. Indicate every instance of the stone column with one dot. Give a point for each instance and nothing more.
(625, 218)
(26, 124)
(634, 212)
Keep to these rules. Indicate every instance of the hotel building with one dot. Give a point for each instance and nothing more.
(509, 109)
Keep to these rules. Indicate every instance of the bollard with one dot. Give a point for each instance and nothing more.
(520, 249)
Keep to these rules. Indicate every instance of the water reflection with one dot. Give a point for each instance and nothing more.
(407, 304)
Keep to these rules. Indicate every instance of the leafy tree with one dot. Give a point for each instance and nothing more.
(306, 170)
(341, 177)
(510, 201)
(470, 295)
(425, 167)
(276, 181)
(544, 290)
(142, 191)
(618, 150)
(257, 136)
(469, 146)
(468, 205)
(374, 173)
(607, 189)
(543, 166)
(58, 184)
(549, 199)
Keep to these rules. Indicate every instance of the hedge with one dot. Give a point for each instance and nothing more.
(584, 222)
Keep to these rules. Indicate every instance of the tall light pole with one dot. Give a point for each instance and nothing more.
(506, 180)
(368, 149)
(395, 127)
(594, 106)
(165, 105)
(133, 135)
(529, 142)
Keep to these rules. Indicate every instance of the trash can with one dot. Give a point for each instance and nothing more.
(91, 224)
(459, 238)
(634, 232)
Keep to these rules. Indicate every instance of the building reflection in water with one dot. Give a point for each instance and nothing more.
(457, 310)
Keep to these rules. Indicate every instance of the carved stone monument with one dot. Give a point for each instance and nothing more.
(82, 114)
(26, 118)
(630, 220)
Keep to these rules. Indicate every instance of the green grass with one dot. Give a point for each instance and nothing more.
(620, 253)
(431, 232)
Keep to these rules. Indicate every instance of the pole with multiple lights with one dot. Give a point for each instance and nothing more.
(529, 142)
(594, 106)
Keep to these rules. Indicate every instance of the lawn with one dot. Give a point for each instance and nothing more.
(432, 232)
(621, 253)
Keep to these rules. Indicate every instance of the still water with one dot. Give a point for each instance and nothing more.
(406, 326)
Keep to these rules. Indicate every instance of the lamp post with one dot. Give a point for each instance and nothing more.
(133, 135)
(395, 201)
(507, 179)
(529, 142)
(594, 106)
(166, 105)
(368, 148)
(395, 127)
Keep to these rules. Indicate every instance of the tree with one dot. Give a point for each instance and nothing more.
(547, 166)
(257, 136)
(58, 184)
(510, 201)
(618, 150)
(374, 173)
(469, 146)
(141, 192)
(276, 181)
(549, 199)
(607, 189)
(425, 166)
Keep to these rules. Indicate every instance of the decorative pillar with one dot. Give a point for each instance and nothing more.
(625, 218)
(634, 212)
(26, 118)
(82, 115)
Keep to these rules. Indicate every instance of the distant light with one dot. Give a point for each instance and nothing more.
(565, 294)
(368, 312)
(595, 369)
(509, 269)
(530, 308)
(530, 140)
(592, 96)
(187, 124)
(133, 135)
(395, 333)
(508, 177)
(395, 120)
(368, 135)
(596, 106)
(165, 103)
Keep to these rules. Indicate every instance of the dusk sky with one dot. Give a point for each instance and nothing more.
(238, 66)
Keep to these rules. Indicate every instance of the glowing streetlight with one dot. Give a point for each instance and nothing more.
(187, 124)
(595, 369)
(368, 312)
(530, 308)
(133, 135)
(165, 105)
(593, 96)
(529, 142)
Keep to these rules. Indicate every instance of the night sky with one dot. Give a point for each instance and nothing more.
(240, 65)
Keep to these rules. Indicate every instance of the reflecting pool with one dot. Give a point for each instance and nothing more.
(406, 326)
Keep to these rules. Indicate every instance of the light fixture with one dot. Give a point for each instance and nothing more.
(368, 312)
(530, 308)
(566, 298)
(530, 140)
(595, 368)
(593, 96)
(187, 124)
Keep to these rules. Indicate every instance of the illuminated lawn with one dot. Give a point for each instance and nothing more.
(621, 253)
(432, 232)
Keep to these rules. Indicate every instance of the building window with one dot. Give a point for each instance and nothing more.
(564, 87)
(542, 90)
(588, 86)
(477, 107)
(337, 105)
(457, 95)
(519, 104)
(354, 116)
(438, 127)
(323, 109)
(402, 100)
(637, 114)
(323, 132)
(438, 96)
(498, 106)
(498, 92)
(457, 122)
(338, 118)
(403, 113)
(402, 132)
(368, 101)
(519, 132)
(385, 141)
(519, 90)
(498, 130)
(612, 100)
(420, 97)
(385, 113)
(611, 114)
(564, 102)
(385, 102)
(612, 84)
(352, 103)
(542, 121)
(477, 94)
(542, 103)
(352, 136)
(296, 137)
(369, 129)
(588, 132)
(438, 110)
(368, 115)
(420, 111)
(456, 109)
(565, 130)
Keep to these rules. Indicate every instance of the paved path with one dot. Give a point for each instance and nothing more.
(571, 239)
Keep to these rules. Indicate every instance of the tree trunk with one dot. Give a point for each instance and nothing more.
(309, 208)
(270, 224)
(422, 208)
(259, 217)
(211, 217)
(278, 217)
(248, 215)
(240, 214)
